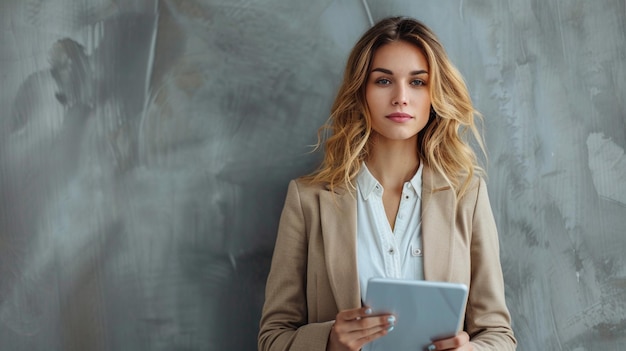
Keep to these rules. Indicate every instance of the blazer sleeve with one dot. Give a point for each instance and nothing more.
(284, 320)
(488, 321)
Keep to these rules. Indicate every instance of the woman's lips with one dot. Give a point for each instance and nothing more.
(399, 117)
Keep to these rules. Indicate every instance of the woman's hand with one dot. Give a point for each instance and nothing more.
(461, 342)
(357, 327)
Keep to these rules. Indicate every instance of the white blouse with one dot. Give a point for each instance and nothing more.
(382, 252)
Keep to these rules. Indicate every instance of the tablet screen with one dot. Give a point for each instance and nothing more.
(425, 311)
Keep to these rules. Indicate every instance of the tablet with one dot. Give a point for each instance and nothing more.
(425, 311)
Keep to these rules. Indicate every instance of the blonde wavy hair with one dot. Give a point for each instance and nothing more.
(442, 144)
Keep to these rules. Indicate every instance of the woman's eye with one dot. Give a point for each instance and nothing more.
(418, 82)
(383, 81)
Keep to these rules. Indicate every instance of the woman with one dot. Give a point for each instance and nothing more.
(398, 194)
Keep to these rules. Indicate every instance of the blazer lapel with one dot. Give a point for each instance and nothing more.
(338, 221)
(438, 212)
(338, 217)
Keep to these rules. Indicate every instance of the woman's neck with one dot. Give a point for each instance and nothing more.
(393, 163)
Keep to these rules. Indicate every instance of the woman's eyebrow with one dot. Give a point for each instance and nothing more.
(383, 70)
(386, 71)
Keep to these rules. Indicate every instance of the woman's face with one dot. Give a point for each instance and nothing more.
(397, 92)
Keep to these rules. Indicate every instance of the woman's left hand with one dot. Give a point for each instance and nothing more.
(461, 342)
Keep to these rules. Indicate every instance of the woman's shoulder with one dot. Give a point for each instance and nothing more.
(473, 184)
(305, 186)
(438, 180)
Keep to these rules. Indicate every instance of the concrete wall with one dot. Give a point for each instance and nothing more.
(146, 148)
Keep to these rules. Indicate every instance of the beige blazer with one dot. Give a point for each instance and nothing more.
(313, 274)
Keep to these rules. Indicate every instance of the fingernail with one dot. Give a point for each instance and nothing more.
(431, 347)
(389, 329)
(391, 319)
(368, 311)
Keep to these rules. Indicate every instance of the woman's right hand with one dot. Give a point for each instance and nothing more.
(357, 327)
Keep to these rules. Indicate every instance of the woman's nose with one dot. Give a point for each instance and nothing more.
(400, 97)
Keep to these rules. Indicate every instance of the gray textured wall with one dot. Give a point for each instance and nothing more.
(146, 148)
